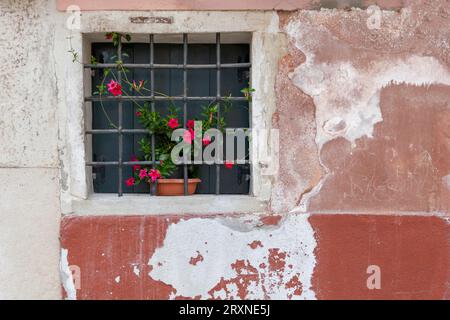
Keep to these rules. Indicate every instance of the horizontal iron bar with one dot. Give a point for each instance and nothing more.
(132, 163)
(108, 131)
(160, 98)
(104, 163)
(115, 163)
(169, 66)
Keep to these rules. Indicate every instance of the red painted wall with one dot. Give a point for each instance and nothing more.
(413, 254)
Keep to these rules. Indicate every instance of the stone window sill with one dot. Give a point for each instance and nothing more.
(142, 204)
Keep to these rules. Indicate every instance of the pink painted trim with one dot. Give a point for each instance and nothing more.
(225, 5)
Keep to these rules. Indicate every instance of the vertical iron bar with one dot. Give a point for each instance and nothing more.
(119, 79)
(218, 106)
(185, 55)
(152, 93)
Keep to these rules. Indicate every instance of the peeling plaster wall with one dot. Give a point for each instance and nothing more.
(257, 262)
(302, 256)
(337, 72)
(261, 260)
(364, 123)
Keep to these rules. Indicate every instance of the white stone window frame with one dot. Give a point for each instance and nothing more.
(266, 45)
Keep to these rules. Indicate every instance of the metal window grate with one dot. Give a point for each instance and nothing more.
(152, 98)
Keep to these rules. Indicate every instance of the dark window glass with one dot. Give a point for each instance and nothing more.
(200, 83)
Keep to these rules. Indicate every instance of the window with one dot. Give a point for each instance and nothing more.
(192, 74)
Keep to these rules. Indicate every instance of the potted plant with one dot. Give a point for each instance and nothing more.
(163, 127)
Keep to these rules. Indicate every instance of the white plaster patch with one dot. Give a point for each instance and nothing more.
(223, 242)
(446, 180)
(352, 95)
(66, 276)
(117, 279)
(274, 24)
(136, 270)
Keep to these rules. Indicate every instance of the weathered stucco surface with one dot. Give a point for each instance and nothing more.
(412, 253)
(29, 192)
(379, 102)
(28, 126)
(29, 234)
(175, 257)
(364, 178)
(394, 171)
(245, 257)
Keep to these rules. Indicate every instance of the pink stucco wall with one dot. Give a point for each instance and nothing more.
(89, 5)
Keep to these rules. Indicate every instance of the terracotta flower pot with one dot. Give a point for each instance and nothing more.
(175, 187)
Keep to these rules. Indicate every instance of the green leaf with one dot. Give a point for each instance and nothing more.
(164, 157)
(74, 54)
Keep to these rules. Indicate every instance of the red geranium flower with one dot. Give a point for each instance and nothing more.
(138, 113)
(130, 182)
(133, 158)
(142, 174)
(154, 174)
(173, 123)
(228, 164)
(114, 87)
(190, 124)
